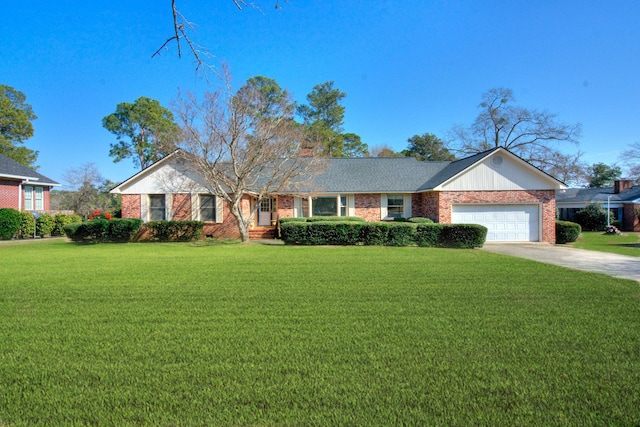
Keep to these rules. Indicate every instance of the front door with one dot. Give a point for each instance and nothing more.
(264, 212)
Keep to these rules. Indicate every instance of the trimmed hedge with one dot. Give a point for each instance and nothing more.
(175, 231)
(462, 236)
(10, 220)
(383, 233)
(101, 230)
(45, 224)
(374, 233)
(567, 232)
(61, 220)
(419, 220)
(401, 234)
(334, 218)
(27, 225)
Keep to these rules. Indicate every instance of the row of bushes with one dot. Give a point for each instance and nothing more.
(355, 232)
(24, 224)
(102, 230)
(121, 230)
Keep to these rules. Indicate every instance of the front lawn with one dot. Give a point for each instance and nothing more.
(194, 334)
(625, 244)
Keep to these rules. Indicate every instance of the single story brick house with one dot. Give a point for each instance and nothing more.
(495, 188)
(22, 188)
(623, 199)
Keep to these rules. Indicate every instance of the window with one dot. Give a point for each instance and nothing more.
(28, 198)
(395, 206)
(39, 199)
(207, 208)
(157, 211)
(325, 206)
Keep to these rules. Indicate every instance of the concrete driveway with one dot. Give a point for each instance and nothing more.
(624, 267)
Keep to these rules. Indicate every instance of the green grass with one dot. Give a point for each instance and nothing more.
(625, 244)
(181, 334)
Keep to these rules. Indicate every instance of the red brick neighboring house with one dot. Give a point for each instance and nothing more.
(22, 188)
(623, 200)
(495, 188)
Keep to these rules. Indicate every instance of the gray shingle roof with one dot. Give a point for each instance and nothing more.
(596, 195)
(9, 167)
(388, 174)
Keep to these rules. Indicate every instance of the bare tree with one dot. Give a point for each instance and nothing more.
(88, 191)
(631, 160)
(532, 135)
(181, 28)
(243, 143)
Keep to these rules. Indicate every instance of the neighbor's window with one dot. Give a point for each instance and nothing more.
(157, 207)
(395, 206)
(28, 198)
(39, 198)
(207, 208)
(325, 206)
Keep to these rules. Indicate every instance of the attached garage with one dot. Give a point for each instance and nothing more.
(506, 223)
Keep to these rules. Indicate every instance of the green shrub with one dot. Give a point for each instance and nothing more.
(27, 225)
(400, 219)
(285, 220)
(374, 233)
(334, 232)
(567, 232)
(294, 232)
(428, 235)
(93, 231)
(335, 218)
(61, 220)
(462, 236)
(10, 220)
(175, 231)
(401, 234)
(419, 220)
(592, 218)
(45, 224)
(122, 230)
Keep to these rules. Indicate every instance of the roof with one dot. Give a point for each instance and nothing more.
(372, 174)
(597, 195)
(13, 170)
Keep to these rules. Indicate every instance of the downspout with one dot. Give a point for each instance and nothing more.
(20, 196)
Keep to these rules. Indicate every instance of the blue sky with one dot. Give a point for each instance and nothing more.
(408, 67)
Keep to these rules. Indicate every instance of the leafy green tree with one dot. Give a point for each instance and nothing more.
(384, 151)
(145, 131)
(323, 118)
(15, 126)
(602, 175)
(428, 147)
(592, 218)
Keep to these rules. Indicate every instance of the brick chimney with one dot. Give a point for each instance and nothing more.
(620, 185)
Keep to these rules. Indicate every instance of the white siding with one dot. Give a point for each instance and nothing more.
(510, 175)
(166, 179)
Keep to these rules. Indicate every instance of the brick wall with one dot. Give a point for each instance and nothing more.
(367, 206)
(545, 197)
(631, 222)
(9, 194)
(131, 206)
(286, 207)
(181, 207)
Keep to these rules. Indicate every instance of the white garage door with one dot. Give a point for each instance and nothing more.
(506, 223)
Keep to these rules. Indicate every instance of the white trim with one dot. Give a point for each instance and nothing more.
(351, 205)
(168, 207)
(219, 209)
(195, 206)
(384, 213)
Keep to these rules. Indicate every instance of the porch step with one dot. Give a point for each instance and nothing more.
(258, 233)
